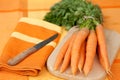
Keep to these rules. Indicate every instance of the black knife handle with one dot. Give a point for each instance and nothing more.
(18, 58)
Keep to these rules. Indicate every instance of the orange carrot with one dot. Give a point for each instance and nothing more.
(61, 54)
(67, 57)
(75, 54)
(82, 56)
(103, 54)
(99, 54)
(90, 52)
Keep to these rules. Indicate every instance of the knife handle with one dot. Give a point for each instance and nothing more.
(21, 56)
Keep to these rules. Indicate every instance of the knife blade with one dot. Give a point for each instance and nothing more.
(21, 56)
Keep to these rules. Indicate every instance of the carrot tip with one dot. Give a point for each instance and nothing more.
(109, 73)
(73, 72)
(85, 73)
(80, 70)
(55, 68)
(61, 71)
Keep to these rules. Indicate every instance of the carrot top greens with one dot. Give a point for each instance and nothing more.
(69, 13)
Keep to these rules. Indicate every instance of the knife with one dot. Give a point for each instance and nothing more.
(21, 56)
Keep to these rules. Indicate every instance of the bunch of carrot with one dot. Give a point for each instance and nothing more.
(80, 49)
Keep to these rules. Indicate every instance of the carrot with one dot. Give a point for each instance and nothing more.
(61, 53)
(82, 56)
(109, 73)
(90, 52)
(75, 54)
(67, 57)
(99, 54)
(103, 54)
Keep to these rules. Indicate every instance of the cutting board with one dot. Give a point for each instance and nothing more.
(97, 72)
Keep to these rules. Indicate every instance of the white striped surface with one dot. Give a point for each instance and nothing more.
(30, 39)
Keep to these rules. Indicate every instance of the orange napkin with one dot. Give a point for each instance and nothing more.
(27, 33)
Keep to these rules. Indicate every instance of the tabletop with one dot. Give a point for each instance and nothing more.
(12, 11)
